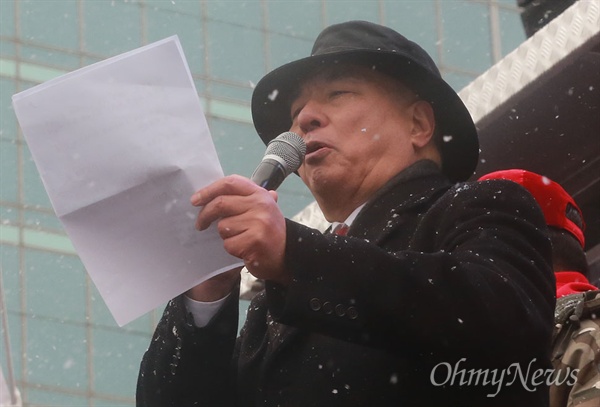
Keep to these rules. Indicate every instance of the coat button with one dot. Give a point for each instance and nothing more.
(315, 304)
(340, 310)
(352, 313)
(327, 307)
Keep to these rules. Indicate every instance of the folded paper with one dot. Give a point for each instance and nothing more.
(121, 145)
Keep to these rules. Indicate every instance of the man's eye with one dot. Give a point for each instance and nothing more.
(337, 93)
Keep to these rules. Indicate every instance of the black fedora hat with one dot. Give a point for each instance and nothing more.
(365, 43)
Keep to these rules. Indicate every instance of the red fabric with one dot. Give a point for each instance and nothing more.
(550, 196)
(571, 282)
(341, 230)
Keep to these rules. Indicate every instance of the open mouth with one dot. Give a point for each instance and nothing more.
(313, 146)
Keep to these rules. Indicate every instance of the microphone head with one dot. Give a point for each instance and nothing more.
(290, 147)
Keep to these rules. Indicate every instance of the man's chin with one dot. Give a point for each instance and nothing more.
(324, 181)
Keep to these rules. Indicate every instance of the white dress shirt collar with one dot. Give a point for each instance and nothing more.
(349, 219)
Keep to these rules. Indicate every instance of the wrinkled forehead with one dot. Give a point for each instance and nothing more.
(362, 73)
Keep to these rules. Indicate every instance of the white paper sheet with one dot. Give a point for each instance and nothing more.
(121, 145)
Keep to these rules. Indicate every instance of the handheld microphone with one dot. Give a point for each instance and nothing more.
(283, 156)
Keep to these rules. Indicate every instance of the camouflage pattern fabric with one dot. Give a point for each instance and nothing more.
(576, 345)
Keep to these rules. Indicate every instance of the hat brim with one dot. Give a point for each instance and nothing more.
(459, 145)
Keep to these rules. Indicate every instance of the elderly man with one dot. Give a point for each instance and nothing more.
(439, 294)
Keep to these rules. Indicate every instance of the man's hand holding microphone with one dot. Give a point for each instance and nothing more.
(248, 217)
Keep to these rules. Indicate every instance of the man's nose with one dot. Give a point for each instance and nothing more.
(311, 117)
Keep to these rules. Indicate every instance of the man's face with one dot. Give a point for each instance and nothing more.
(357, 127)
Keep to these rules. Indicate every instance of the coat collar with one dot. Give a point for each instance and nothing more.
(414, 186)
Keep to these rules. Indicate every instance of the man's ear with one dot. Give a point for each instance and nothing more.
(423, 123)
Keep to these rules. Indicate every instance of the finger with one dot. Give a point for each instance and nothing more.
(230, 185)
(219, 208)
(246, 248)
(229, 227)
(259, 245)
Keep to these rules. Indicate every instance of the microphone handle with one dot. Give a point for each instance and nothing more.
(269, 174)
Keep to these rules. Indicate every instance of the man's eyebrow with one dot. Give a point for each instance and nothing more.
(328, 75)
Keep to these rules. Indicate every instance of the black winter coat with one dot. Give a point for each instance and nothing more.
(440, 295)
